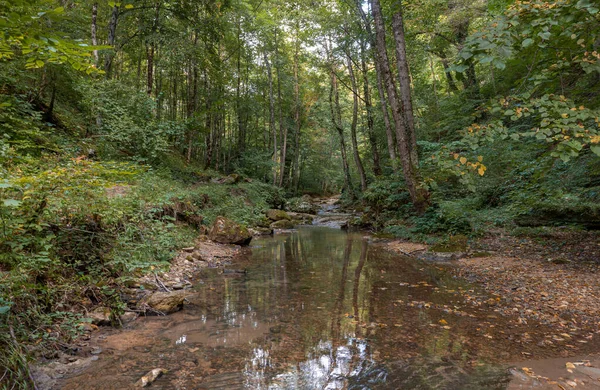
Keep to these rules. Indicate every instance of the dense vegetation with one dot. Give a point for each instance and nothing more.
(433, 117)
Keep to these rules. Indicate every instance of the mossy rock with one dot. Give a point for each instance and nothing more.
(283, 224)
(277, 215)
(225, 231)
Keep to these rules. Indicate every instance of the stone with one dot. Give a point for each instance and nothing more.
(164, 302)
(100, 316)
(231, 179)
(277, 215)
(225, 231)
(261, 231)
(303, 217)
(128, 317)
(283, 224)
(150, 377)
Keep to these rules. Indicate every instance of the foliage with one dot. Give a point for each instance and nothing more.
(126, 122)
(25, 35)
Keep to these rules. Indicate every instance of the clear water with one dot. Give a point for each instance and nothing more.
(320, 308)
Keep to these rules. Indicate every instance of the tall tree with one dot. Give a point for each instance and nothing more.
(403, 138)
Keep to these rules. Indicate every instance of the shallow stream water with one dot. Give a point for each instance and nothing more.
(320, 308)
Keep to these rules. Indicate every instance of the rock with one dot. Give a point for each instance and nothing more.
(231, 179)
(150, 377)
(283, 224)
(234, 271)
(128, 317)
(277, 215)
(225, 231)
(303, 217)
(145, 285)
(261, 231)
(164, 302)
(100, 316)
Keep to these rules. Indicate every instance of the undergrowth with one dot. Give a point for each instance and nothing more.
(72, 230)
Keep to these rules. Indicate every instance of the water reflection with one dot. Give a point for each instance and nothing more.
(326, 367)
(319, 309)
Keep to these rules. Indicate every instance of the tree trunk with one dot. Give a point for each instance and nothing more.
(369, 109)
(282, 127)
(391, 142)
(94, 31)
(404, 83)
(418, 197)
(357, 160)
(451, 83)
(389, 131)
(336, 119)
(150, 69)
(112, 31)
(272, 116)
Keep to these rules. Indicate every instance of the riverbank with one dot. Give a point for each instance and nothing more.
(78, 233)
(549, 279)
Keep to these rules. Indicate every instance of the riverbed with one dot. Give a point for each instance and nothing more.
(321, 308)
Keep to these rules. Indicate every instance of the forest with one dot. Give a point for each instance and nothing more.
(433, 119)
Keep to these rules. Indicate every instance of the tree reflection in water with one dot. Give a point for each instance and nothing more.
(327, 367)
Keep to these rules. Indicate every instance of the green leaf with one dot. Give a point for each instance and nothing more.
(12, 203)
(128, 6)
(498, 64)
(4, 309)
(595, 149)
(527, 42)
(544, 35)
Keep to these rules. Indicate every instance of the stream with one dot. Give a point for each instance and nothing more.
(319, 308)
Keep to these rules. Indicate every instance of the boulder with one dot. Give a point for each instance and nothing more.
(302, 217)
(231, 179)
(225, 231)
(283, 224)
(100, 316)
(277, 215)
(300, 205)
(164, 302)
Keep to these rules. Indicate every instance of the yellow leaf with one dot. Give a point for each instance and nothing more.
(443, 322)
(480, 158)
(463, 160)
(564, 115)
(481, 170)
(455, 156)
